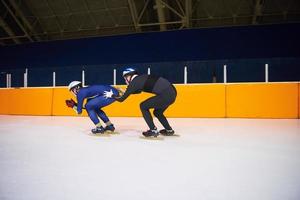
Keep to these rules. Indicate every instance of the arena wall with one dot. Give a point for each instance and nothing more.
(255, 100)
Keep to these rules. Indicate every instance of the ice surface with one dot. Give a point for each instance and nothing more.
(54, 158)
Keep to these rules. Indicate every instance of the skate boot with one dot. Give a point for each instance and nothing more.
(167, 132)
(150, 133)
(110, 128)
(98, 129)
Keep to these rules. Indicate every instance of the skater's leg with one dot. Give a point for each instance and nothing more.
(159, 114)
(92, 114)
(105, 119)
(99, 103)
(102, 115)
(96, 104)
(168, 98)
(159, 103)
(145, 106)
(91, 110)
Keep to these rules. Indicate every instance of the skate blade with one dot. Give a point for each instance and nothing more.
(151, 138)
(174, 135)
(99, 135)
(112, 132)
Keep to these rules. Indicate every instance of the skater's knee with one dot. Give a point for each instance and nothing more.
(88, 107)
(143, 106)
(158, 113)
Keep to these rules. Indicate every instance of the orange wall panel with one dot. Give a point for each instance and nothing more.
(276, 100)
(199, 101)
(30, 101)
(4, 101)
(272, 100)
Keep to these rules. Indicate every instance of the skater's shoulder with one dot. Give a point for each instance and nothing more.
(88, 89)
(82, 91)
(138, 78)
(148, 76)
(94, 87)
(100, 88)
(142, 76)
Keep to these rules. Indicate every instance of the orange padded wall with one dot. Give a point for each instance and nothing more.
(299, 100)
(199, 101)
(27, 101)
(255, 100)
(4, 101)
(276, 100)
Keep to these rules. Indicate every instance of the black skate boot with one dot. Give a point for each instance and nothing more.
(98, 129)
(150, 133)
(110, 128)
(167, 132)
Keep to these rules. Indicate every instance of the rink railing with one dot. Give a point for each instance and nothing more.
(241, 100)
(114, 76)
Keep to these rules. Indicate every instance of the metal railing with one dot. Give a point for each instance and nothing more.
(182, 72)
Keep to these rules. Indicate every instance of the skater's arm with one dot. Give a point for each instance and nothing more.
(121, 91)
(130, 90)
(133, 88)
(80, 99)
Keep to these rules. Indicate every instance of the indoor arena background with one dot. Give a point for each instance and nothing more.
(256, 56)
(235, 65)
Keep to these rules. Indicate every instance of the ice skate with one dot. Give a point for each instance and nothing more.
(98, 129)
(150, 133)
(167, 132)
(110, 129)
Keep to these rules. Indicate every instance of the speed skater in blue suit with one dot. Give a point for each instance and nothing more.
(95, 101)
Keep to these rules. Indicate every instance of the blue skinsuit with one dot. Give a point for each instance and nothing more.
(95, 101)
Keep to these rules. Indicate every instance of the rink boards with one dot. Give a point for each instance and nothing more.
(247, 100)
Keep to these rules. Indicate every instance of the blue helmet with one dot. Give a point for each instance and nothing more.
(129, 71)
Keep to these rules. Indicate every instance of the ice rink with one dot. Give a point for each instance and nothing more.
(54, 158)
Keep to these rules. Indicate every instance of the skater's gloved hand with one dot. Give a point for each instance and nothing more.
(76, 111)
(71, 103)
(108, 94)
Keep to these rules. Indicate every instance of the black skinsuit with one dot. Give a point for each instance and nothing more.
(165, 96)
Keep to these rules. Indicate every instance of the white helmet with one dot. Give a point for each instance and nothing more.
(74, 84)
(129, 71)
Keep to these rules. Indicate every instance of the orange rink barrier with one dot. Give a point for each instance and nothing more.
(251, 100)
(26, 101)
(275, 100)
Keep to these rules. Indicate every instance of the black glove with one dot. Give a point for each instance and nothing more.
(71, 103)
